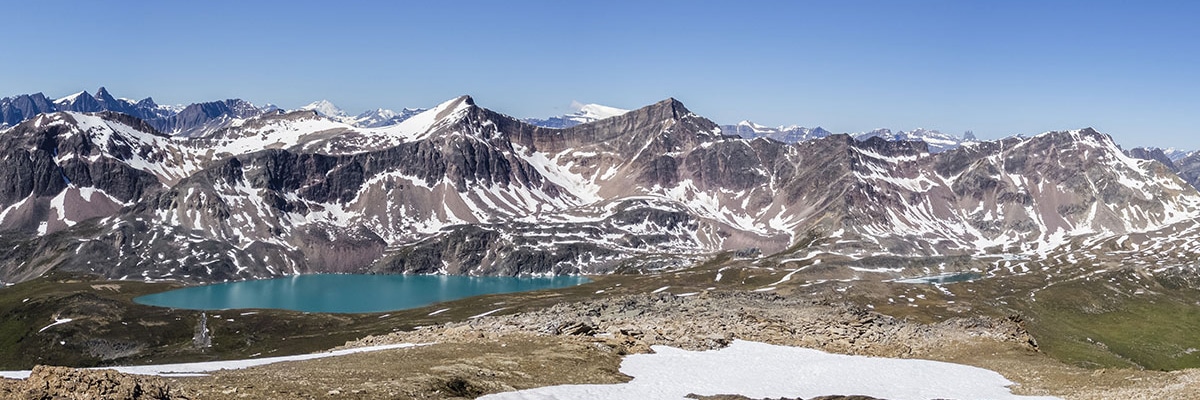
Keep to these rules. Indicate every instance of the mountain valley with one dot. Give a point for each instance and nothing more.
(1073, 252)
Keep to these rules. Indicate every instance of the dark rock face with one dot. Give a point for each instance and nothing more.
(522, 249)
(29, 166)
(1188, 169)
(1155, 154)
(13, 110)
(192, 120)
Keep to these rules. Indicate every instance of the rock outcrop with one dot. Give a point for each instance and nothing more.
(62, 383)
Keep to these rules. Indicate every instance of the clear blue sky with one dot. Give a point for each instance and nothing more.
(998, 68)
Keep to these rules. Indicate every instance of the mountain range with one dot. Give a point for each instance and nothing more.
(192, 120)
(936, 141)
(247, 193)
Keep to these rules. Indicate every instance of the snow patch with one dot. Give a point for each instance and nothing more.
(57, 321)
(759, 370)
(200, 368)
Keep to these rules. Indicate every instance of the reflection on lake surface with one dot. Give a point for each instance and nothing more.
(348, 293)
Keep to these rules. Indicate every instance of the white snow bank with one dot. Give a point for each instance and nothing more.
(198, 369)
(760, 370)
(57, 321)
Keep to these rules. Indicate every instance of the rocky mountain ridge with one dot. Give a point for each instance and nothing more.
(460, 189)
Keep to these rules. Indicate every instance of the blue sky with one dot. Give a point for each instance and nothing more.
(997, 68)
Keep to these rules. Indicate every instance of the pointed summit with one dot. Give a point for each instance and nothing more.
(422, 125)
(672, 105)
(110, 103)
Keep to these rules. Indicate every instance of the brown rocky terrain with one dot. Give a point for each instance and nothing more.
(710, 320)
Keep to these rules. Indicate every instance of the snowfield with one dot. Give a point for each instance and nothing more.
(200, 368)
(759, 370)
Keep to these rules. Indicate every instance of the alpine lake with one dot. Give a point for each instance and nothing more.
(341, 293)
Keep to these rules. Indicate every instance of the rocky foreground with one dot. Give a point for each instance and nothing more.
(583, 342)
(62, 383)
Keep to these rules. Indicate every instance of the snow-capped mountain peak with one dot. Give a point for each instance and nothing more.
(593, 112)
(584, 113)
(325, 108)
(756, 127)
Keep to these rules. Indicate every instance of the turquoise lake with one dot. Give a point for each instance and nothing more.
(334, 293)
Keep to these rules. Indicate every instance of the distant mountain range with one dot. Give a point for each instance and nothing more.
(192, 120)
(200, 119)
(250, 192)
(937, 141)
(369, 119)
